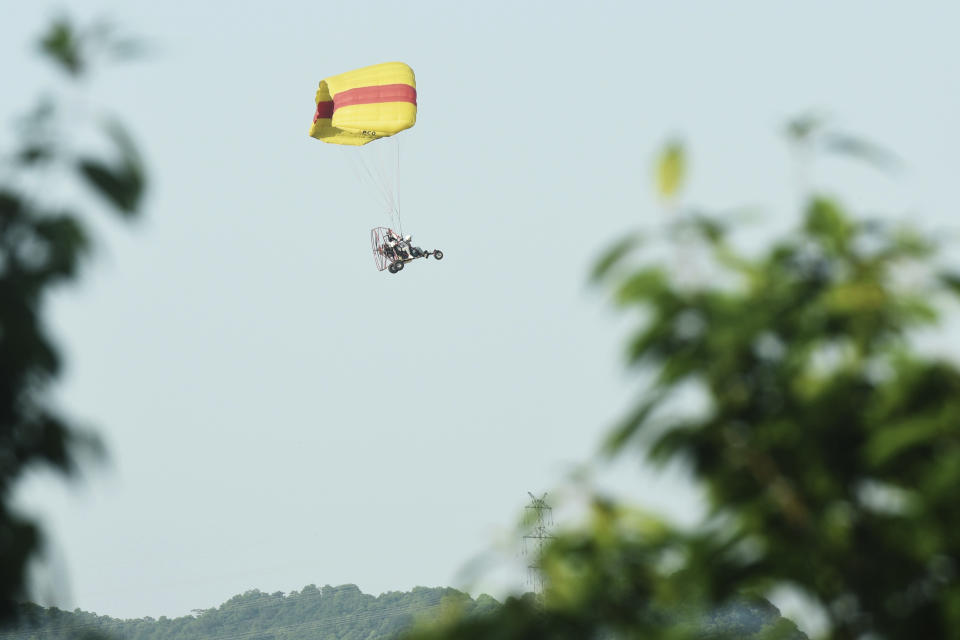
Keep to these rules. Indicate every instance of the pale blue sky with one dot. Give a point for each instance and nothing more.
(238, 350)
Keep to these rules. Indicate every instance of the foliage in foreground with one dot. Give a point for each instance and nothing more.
(826, 443)
(43, 243)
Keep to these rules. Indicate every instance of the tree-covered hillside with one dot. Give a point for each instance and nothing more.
(328, 613)
(340, 613)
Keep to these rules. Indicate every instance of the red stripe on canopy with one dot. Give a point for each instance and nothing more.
(324, 110)
(373, 95)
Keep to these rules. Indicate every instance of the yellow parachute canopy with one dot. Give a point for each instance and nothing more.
(361, 106)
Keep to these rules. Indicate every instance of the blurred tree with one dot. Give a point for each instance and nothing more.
(827, 444)
(42, 245)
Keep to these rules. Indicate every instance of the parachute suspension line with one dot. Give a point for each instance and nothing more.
(362, 173)
(396, 183)
(386, 179)
(387, 167)
(377, 166)
(366, 169)
(382, 179)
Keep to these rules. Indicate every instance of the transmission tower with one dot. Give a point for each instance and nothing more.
(538, 518)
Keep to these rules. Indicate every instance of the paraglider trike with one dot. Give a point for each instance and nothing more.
(391, 251)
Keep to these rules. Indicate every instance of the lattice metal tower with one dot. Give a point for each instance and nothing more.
(538, 518)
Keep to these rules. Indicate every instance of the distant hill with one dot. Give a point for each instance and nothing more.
(328, 613)
(337, 613)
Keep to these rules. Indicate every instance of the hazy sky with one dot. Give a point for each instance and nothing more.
(278, 412)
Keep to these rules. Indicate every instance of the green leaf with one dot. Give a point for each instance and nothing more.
(11, 204)
(628, 427)
(862, 150)
(110, 183)
(68, 242)
(34, 154)
(62, 44)
(642, 285)
(921, 431)
(908, 243)
(671, 170)
(614, 255)
(710, 229)
(856, 297)
(104, 34)
(828, 222)
(122, 182)
(951, 281)
(804, 127)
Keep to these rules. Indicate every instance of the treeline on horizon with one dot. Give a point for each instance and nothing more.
(329, 613)
(342, 612)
